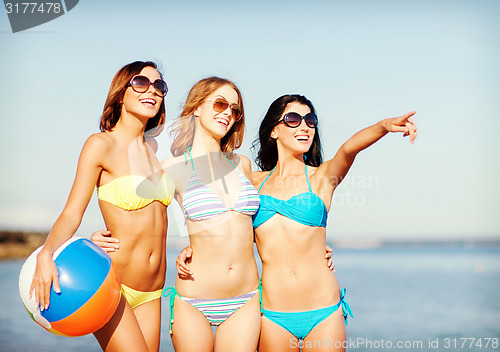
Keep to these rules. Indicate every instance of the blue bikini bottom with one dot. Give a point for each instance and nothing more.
(300, 324)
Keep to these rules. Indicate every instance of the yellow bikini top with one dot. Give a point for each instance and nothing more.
(134, 192)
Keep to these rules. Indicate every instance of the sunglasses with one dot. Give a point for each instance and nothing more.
(140, 84)
(293, 120)
(220, 105)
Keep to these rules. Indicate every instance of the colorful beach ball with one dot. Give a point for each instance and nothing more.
(90, 291)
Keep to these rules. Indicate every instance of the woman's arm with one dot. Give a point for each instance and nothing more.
(87, 174)
(246, 166)
(336, 168)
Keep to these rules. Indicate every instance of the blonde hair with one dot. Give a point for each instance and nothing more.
(184, 127)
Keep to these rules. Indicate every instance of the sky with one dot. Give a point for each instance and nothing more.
(357, 61)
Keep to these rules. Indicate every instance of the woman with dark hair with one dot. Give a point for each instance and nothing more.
(267, 155)
(301, 298)
(218, 201)
(133, 195)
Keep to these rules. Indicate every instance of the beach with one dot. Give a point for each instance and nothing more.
(20, 244)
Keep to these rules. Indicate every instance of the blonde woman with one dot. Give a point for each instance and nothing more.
(218, 202)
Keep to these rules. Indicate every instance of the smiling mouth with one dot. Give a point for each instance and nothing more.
(148, 101)
(223, 122)
(302, 138)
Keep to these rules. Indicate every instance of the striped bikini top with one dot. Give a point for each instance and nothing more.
(199, 202)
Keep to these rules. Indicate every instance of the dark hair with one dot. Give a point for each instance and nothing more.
(267, 156)
(114, 101)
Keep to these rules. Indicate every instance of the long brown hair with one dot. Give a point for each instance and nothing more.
(184, 127)
(114, 101)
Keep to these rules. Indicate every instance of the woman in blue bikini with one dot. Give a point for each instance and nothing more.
(301, 298)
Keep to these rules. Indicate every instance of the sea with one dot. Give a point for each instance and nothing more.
(404, 298)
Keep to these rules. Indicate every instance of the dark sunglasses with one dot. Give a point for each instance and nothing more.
(220, 105)
(140, 84)
(293, 120)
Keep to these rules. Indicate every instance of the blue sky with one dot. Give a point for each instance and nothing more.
(358, 61)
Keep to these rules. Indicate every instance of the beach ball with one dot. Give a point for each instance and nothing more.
(90, 291)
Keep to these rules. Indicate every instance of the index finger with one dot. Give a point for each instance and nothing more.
(405, 117)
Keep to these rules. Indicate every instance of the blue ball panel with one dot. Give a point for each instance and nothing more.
(82, 267)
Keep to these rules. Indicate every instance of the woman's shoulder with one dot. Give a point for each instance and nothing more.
(100, 142)
(260, 174)
(243, 160)
(153, 144)
(173, 161)
(242, 163)
(95, 149)
(100, 138)
(258, 177)
(178, 167)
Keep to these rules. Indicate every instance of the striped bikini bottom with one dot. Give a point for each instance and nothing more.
(215, 310)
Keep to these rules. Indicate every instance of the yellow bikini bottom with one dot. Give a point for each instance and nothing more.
(136, 298)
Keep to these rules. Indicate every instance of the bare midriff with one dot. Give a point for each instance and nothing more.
(295, 275)
(141, 259)
(223, 261)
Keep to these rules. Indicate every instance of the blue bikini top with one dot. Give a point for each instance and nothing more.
(306, 208)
